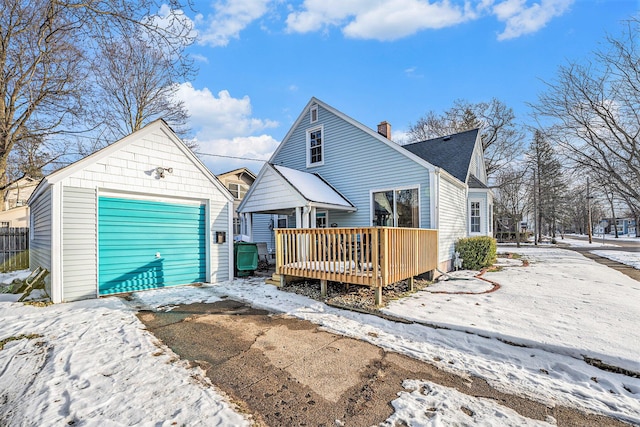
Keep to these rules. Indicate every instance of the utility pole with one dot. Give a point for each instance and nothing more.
(535, 210)
(589, 197)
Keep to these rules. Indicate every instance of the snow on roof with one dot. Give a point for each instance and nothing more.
(312, 187)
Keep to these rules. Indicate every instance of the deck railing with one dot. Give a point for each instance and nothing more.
(370, 256)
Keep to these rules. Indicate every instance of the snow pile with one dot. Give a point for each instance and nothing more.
(629, 258)
(92, 363)
(428, 404)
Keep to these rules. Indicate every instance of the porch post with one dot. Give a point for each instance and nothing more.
(312, 220)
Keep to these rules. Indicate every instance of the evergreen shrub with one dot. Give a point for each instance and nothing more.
(477, 252)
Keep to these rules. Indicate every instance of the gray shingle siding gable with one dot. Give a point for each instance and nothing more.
(355, 163)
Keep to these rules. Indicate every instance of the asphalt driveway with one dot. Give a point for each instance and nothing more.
(286, 371)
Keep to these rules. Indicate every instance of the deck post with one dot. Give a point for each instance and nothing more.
(323, 288)
(279, 251)
(378, 296)
(411, 287)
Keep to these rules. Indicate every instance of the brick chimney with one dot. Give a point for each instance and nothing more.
(384, 129)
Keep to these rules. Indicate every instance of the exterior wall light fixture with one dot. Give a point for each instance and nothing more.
(161, 171)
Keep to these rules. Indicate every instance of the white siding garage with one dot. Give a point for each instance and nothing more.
(142, 213)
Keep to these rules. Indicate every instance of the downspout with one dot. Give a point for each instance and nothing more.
(434, 198)
(229, 241)
(435, 205)
(306, 210)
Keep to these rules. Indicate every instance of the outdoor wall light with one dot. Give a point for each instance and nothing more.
(161, 171)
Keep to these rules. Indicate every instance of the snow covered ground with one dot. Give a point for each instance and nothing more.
(98, 366)
(629, 258)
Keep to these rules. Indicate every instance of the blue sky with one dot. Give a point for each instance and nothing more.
(261, 60)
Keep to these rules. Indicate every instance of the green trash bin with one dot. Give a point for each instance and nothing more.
(246, 256)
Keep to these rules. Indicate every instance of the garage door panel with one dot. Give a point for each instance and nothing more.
(148, 244)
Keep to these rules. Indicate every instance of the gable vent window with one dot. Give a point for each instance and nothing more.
(315, 147)
(314, 113)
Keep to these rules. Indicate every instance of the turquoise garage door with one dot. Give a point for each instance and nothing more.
(146, 244)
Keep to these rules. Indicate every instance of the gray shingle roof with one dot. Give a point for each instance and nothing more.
(475, 182)
(452, 153)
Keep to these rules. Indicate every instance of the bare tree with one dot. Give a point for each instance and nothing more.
(46, 48)
(31, 155)
(137, 83)
(501, 137)
(594, 109)
(512, 200)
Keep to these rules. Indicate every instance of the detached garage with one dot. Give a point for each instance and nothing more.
(142, 213)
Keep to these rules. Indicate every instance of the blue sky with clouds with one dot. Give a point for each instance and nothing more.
(261, 60)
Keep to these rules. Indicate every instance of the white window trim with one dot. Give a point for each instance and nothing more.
(482, 218)
(394, 189)
(326, 217)
(312, 110)
(322, 145)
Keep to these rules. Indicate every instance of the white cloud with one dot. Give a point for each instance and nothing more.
(522, 19)
(199, 58)
(412, 72)
(224, 125)
(228, 20)
(223, 116)
(393, 19)
(321, 13)
(376, 19)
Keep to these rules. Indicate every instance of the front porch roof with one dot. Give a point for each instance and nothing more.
(278, 189)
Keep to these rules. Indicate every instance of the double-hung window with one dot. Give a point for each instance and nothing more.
(474, 219)
(315, 147)
(396, 208)
(237, 190)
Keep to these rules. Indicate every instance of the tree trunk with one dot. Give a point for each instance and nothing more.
(3, 180)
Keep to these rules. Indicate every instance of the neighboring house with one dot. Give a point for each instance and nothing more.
(332, 171)
(625, 226)
(237, 182)
(14, 211)
(139, 214)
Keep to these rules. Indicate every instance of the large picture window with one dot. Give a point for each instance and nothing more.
(475, 217)
(396, 208)
(315, 147)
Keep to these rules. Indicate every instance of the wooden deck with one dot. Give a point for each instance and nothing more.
(370, 256)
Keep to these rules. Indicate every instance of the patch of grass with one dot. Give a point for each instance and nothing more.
(516, 256)
(18, 337)
(495, 268)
